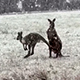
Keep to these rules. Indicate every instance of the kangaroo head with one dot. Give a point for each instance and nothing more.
(52, 25)
(19, 37)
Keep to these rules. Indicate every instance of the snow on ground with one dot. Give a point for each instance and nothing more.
(12, 53)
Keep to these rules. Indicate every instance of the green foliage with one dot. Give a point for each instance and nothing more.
(7, 6)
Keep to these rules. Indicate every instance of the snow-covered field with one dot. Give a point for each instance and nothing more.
(12, 64)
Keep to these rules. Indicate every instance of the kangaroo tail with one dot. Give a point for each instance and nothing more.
(44, 41)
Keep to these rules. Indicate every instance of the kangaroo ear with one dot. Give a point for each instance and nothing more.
(18, 32)
(49, 21)
(54, 19)
(21, 32)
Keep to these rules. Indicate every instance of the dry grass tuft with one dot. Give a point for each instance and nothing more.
(27, 75)
(38, 75)
(35, 74)
(77, 77)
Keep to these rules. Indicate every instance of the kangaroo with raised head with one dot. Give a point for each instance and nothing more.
(54, 40)
(30, 41)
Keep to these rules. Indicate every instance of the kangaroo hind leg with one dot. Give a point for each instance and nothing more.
(33, 49)
(60, 54)
(50, 51)
(28, 52)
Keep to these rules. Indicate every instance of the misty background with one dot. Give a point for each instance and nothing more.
(7, 6)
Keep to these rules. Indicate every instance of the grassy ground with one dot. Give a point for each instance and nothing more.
(12, 64)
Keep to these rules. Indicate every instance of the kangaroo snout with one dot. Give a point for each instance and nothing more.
(25, 49)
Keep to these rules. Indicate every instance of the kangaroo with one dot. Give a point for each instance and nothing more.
(54, 40)
(30, 41)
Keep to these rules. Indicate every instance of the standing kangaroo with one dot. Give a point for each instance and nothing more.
(54, 40)
(30, 41)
